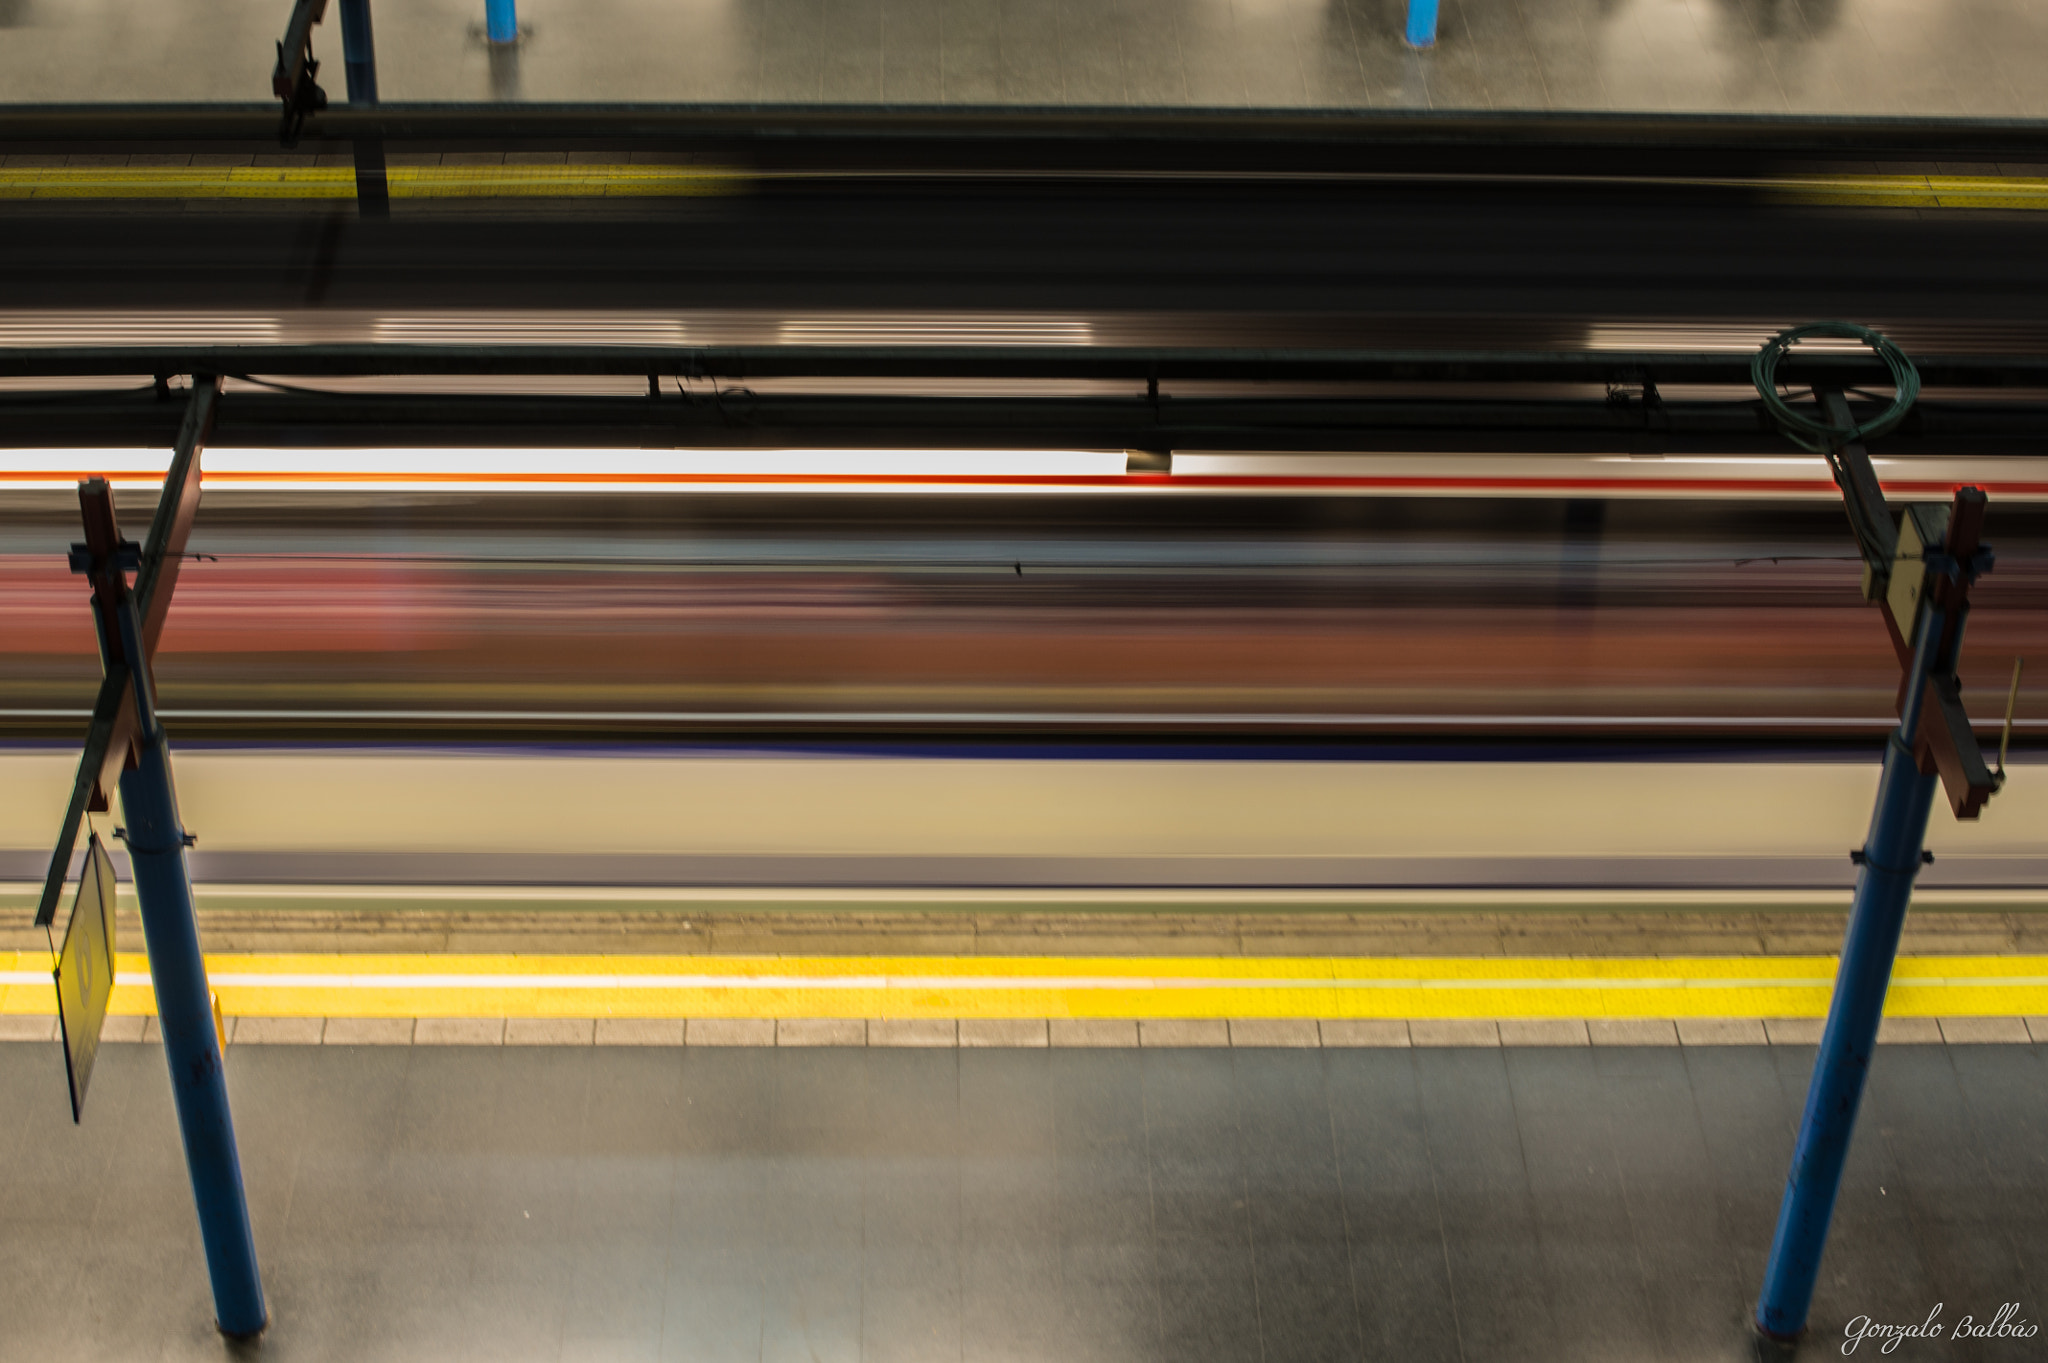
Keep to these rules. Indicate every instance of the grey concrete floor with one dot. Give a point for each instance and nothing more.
(291, 918)
(615, 1203)
(1931, 57)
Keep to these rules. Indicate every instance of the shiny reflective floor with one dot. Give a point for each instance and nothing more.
(1933, 57)
(545, 1203)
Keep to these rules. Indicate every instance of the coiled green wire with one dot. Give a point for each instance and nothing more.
(1824, 437)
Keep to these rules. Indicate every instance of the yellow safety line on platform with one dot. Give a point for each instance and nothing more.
(251, 985)
(641, 181)
(339, 182)
(1917, 191)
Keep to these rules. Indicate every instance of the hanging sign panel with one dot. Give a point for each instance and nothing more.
(85, 970)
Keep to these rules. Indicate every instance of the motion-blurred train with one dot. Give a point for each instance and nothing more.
(641, 594)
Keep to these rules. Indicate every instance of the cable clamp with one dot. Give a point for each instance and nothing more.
(1861, 857)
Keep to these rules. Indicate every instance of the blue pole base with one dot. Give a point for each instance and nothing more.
(1421, 32)
(501, 21)
(359, 51)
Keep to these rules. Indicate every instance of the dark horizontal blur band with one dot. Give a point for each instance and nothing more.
(2018, 872)
(787, 421)
(1026, 729)
(1618, 395)
(1273, 139)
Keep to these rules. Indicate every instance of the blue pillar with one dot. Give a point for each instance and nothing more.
(501, 20)
(1422, 23)
(358, 51)
(1891, 860)
(184, 1009)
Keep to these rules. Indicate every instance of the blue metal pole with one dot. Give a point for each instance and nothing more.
(1884, 885)
(1422, 23)
(184, 1008)
(359, 55)
(501, 20)
(358, 51)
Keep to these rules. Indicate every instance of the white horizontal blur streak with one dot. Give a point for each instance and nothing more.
(515, 327)
(126, 328)
(1694, 337)
(2019, 478)
(906, 470)
(351, 467)
(918, 329)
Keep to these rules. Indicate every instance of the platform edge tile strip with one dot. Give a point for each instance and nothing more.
(1063, 1033)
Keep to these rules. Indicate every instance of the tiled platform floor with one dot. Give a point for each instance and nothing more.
(1933, 57)
(616, 1203)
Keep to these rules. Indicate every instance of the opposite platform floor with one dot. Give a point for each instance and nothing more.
(553, 1203)
(1918, 57)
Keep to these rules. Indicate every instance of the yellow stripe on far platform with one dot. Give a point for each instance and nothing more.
(1055, 987)
(1916, 191)
(634, 180)
(339, 182)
